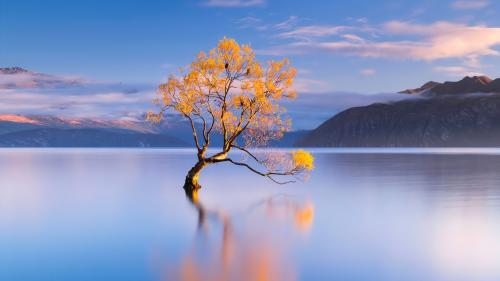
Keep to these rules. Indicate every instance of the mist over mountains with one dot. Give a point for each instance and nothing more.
(42, 110)
(465, 113)
(37, 109)
(20, 78)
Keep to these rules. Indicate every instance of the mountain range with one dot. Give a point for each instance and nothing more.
(475, 84)
(50, 131)
(462, 113)
(451, 114)
(35, 130)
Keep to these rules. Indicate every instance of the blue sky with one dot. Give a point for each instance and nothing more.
(354, 46)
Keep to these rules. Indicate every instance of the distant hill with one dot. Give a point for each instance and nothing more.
(18, 122)
(427, 86)
(46, 130)
(52, 137)
(475, 84)
(464, 113)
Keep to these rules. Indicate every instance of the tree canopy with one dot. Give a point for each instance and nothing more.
(229, 94)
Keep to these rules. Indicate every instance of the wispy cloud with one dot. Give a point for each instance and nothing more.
(308, 32)
(287, 24)
(447, 40)
(456, 71)
(470, 4)
(251, 22)
(26, 79)
(75, 103)
(234, 3)
(25, 92)
(353, 37)
(368, 72)
(426, 42)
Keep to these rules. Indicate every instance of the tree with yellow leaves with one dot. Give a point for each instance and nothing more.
(229, 93)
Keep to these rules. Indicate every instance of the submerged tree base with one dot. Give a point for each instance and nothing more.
(191, 185)
(228, 93)
(191, 188)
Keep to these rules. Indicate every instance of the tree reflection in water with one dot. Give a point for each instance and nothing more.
(221, 253)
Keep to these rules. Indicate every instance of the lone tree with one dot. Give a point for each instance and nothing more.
(227, 93)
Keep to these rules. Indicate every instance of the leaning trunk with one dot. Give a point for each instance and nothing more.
(191, 184)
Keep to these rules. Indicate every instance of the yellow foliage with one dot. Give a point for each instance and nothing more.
(229, 91)
(230, 88)
(303, 159)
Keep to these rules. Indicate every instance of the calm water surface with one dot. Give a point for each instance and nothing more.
(89, 214)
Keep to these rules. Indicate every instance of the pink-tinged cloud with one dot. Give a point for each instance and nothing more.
(368, 72)
(234, 3)
(470, 4)
(427, 42)
(17, 119)
(19, 78)
(456, 71)
(448, 40)
(353, 37)
(27, 92)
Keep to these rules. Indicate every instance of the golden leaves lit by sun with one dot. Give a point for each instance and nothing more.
(229, 92)
(303, 159)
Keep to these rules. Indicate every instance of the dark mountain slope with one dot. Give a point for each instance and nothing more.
(463, 113)
(453, 121)
(476, 84)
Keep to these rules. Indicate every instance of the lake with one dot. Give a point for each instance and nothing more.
(364, 214)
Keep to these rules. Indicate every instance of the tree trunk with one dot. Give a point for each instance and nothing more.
(191, 184)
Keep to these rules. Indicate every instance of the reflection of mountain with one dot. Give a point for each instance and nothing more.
(44, 130)
(464, 113)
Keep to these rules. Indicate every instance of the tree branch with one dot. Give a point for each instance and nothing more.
(268, 174)
(195, 135)
(248, 152)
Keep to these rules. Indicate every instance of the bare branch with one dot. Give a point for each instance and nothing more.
(193, 129)
(247, 152)
(268, 174)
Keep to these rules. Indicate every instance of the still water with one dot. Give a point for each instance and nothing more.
(112, 214)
